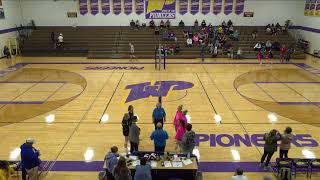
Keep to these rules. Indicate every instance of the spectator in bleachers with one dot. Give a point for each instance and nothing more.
(203, 24)
(195, 39)
(189, 42)
(5, 170)
(257, 47)
(60, 40)
(159, 136)
(111, 160)
(168, 24)
(196, 24)
(6, 52)
(53, 37)
(210, 46)
(239, 53)
(283, 52)
(285, 144)
(143, 25)
(239, 175)
(230, 30)
(270, 56)
(177, 49)
(230, 23)
(278, 27)
(30, 159)
(254, 34)
(185, 34)
(156, 31)
(132, 24)
(181, 24)
(270, 147)
(268, 45)
(134, 134)
(137, 24)
(220, 30)
(165, 35)
(235, 35)
(179, 134)
(188, 140)
(171, 35)
(202, 52)
(268, 29)
(290, 51)
(162, 25)
(224, 25)
(152, 24)
(230, 52)
(190, 33)
(143, 171)
(121, 171)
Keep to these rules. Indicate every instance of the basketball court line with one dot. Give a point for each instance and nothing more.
(214, 109)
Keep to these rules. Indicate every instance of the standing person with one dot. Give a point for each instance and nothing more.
(132, 52)
(270, 56)
(188, 140)
(5, 170)
(180, 132)
(259, 57)
(159, 136)
(134, 134)
(158, 115)
(177, 117)
(60, 40)
(285, 144)
(30, 159)
(270, 146)
(283, 51)
(121, 171)
(111, 160)
(53, 37)
(143, 171)
(126, 123)
(289, 53)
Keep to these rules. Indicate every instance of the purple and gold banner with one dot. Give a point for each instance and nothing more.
(127, 7)
(139, 6)
(194, 9)
(83, 7)
(205, 6)
(105, 7)
(94, 7)
(183, 7)
(116, 7)
(312, 7)
(307, 8)
(318, 9)
(160, 9)
(239, 7)
(217, 6)
(228, 7)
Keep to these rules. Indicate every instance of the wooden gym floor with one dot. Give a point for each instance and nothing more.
(78, 92)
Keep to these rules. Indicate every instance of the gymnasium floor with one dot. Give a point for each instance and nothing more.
(78, 92)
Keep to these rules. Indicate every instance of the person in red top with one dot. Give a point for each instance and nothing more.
(180, 132)
(177, 117)
(283, 52)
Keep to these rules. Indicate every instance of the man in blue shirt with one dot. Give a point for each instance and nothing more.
(30, 159)
(159, 136)
(158, 115)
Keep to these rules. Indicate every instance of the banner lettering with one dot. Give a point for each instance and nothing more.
(183, 7)
(127, 7)
(239, 7)
(105, 7)
(94, 7)
(139, 6)
(160, 9)
(116, 7)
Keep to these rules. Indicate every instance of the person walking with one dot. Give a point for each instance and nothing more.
(159, 136)
(178, 138)
(270, 147)
(177, 117)
(134, 134)
(30, 159)
(285, 144)
(188, 140)
(158, 115)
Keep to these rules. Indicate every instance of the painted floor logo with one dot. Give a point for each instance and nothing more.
(160, 88)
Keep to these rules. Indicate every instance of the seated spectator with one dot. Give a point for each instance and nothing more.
(235, 35)
(230, 30)
(143, 25)
(132, 24)
(230, 52)
(210, 47)
(196, 24)
(195, 39)
(224, 25)
(152, 24)
(185, 33)
(111, 160)
(181, 24)
(6, 52)
(168, 25)
(189, 42)
(220, 30)
(230, 23)
(143, 171)
(239, 53)
(268, 45)
(156, 31)
(268, 29)
(190, 33)
(121, 171)
(162, 25)
(203, 24)
(60, 41)
(210, 28)
(254, 34)
(239, 175)
(171, 36)
(137, 24)
(278, 27)
(165, 35)
(257, 47)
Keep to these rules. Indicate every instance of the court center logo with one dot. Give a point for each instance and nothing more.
(159, 88)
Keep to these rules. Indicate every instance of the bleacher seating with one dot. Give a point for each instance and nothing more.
(112, 42)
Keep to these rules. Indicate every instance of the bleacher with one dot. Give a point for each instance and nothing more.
(112, 42)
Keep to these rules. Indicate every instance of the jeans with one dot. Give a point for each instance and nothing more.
(159, 148)
(284, 153)
(133, 147)
(267, 155)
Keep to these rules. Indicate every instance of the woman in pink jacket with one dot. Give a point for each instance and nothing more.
(177, 117)
(180, 132)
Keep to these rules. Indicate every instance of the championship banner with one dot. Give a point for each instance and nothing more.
(94, 7)
(139, 6)
(228, 7)
(83, 7)
(239, 7)
(205, 9)
(307, 8)
(105, 7)
(318, 9)
(217, 6)
(312, 7)
(194, 7)
(127, 7)
(160, 9)
(117, 7)
(183, 7)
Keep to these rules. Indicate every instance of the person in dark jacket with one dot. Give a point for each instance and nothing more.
(121, 171)
(126, 123)
(6, 52)
(158, 115)
(30, 159)
(111, 160)
(270, 146)
(134, 134)
(188, 140)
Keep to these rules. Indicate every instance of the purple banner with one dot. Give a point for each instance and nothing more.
(83, 5)
(105, 7)
(183, 7)
(239, 7)
(205, 6)
(228, 6)
(160, 9)
(217, 7)
(127, 7)
(116, 7)
(94, 7)
(194, 7)
(139, 6)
